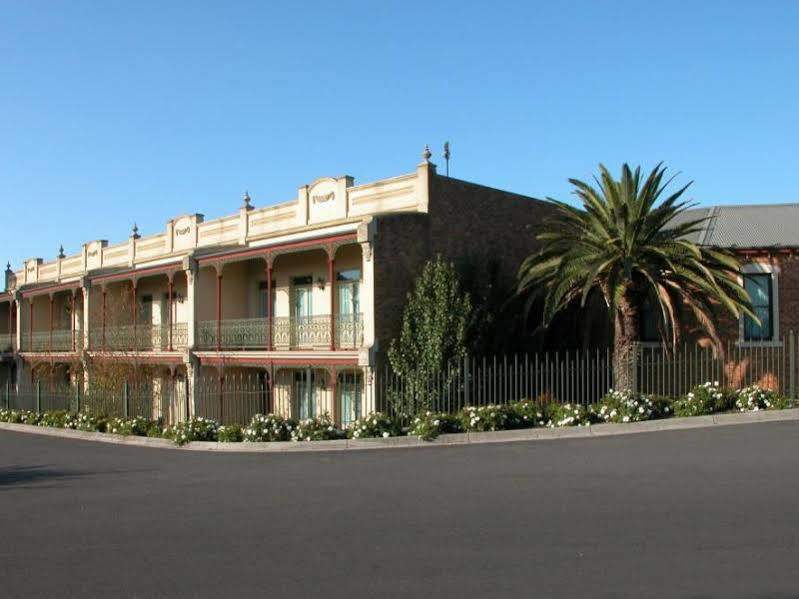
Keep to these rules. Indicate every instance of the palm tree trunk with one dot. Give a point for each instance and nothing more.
(625, 331)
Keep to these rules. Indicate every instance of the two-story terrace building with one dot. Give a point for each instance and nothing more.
(307, 293)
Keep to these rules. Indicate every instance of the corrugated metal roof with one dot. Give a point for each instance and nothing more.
(746, 226)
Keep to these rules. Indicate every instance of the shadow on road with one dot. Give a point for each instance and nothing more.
(40, 475)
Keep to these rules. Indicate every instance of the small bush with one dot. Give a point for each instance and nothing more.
(755, 398)
(196, 429)
(530, 413)
(569, 415)
(707, 398)
(137, 426)
(628, 406)
(85, 422)
(320, 428)
(429, 425)
(488, 418)
(373, 426)
(54, 418)
(230, 434)
(268, 427)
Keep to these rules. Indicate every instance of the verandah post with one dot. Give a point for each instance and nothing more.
(466, 387)
(125, 399)
(38, 397)
(792, 364)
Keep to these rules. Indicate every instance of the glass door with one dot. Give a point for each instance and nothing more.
(304, 392)
(348, 283)
(350, 390)
(302, 310)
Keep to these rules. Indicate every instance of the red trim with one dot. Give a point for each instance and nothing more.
(261, 251)
(169, 312)
(161, 269)
(284, 361)
(218, 312)
(42, 290)
(331, 278)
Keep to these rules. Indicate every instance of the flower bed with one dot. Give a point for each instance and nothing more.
(615, 407)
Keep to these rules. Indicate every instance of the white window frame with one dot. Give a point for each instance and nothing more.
(774, 271)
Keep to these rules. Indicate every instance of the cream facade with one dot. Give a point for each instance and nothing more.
(306, 294)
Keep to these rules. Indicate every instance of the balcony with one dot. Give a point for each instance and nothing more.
(43, 341)
(311, 332)
(143, 337)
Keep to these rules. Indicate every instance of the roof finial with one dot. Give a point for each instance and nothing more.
(427, 153)
(8, 267)
(245, 201)
(61, 251)
(135, 231)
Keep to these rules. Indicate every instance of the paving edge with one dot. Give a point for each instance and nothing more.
(530, 434)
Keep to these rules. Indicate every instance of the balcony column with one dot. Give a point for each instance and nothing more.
(18, 320)
(134, 287)
(169, 286)
(330, 277)
(192, 272)
(72, 318)
(11, 305)
(52, 301)
(105, 303)
(30, 324)
(269, 306)
(219, 308)
(86, 290)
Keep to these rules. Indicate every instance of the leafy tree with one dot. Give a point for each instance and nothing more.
(632, 249)
(434, 335)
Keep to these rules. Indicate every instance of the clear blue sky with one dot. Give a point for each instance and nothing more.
(115, 112)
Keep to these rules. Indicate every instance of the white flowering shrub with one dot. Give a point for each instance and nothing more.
(86, 422)
(19, 416)
(706, 398)
(530, 413)
(569, 415)
(371, 426)
(137, 426)
(629, 406)
(429, 425)
(232, 433)
(754, 398)
(488, 418)
(320, 428)
(54, 418)
(268, 427)
(196, 429)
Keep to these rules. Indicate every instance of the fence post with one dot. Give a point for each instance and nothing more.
(792, 364)
(77, 398)
(466, 385)
(188, 399)
(634, 355)
(38, 397)
(8, 394)
(125, 399)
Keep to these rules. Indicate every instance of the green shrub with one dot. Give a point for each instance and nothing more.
(85, 422)
(19, 416)
(628, 406)
(137, 426)
(268, 427)
(530, 413)
(231, 433)
(429, 425)
(373, 425)
(196, 429)
(754, 398)
(488, 418)
(54, 418)
(569, 415)
(320, 428)
(707, 398)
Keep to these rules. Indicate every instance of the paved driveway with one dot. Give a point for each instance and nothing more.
(695, 513)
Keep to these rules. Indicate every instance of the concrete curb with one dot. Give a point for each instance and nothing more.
(530, 434)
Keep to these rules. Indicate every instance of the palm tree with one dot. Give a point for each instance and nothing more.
(625, 245)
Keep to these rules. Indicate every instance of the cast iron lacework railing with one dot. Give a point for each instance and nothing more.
(142, 337)
(40, 341)
(312, 332)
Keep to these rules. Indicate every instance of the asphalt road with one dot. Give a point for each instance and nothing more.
(694, 513)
